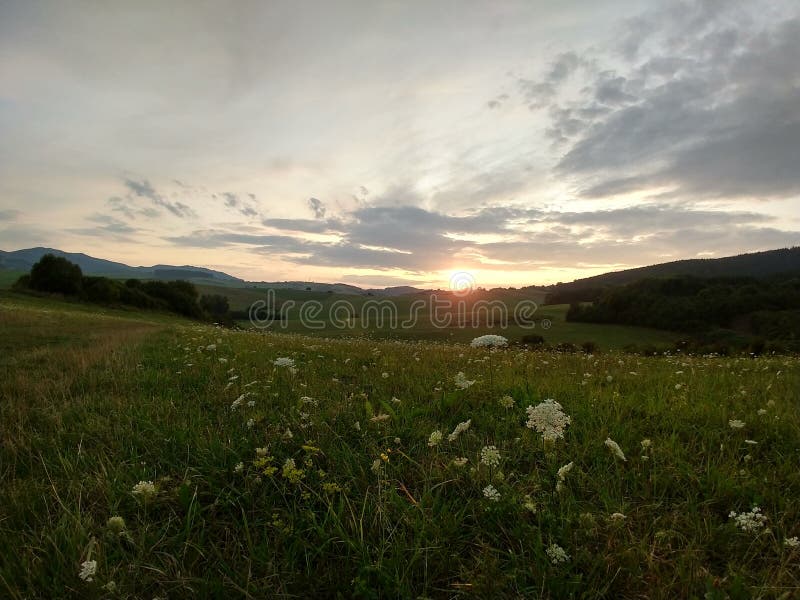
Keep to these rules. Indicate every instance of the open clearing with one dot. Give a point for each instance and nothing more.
(325, 478)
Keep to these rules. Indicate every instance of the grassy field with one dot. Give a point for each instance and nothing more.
(8, 278)
(549, 321)
(325, 479)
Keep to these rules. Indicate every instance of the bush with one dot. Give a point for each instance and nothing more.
(101, 290)
(532, 339)
(56, 274)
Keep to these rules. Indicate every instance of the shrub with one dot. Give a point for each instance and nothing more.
(56, 274)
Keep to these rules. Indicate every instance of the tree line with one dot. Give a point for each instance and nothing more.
(731, 308)
(57, 275)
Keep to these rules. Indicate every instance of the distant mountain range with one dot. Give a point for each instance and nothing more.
(23, 260)
(756, 264)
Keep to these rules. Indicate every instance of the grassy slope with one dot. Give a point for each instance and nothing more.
(90, 405)
(7, 278)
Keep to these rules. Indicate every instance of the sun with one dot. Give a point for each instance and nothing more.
(462, 282)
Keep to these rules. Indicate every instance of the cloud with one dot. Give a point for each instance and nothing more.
(106, 226)
(9, 215)
(317, 207)
(143, 189)
(705, 103)
(243, 207)
(540, 93)
(502, 237)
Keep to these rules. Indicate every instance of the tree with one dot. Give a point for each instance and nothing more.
(56, 274)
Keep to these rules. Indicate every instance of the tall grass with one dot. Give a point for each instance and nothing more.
(369, 509)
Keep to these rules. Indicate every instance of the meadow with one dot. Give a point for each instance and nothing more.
(547, 321)
(146, 456)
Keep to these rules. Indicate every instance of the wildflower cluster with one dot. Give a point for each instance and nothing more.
(615, 449)
(460, 428)
(749, 522)
(490, 456)
(489, 341)
(549, 419)
(556, 554)
(462, 382)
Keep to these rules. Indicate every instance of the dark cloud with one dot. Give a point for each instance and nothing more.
(245, 208)
(143, 189)
(707, 106)
(317, 207)
(419, 240)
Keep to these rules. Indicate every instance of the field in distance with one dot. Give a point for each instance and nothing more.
(145, 455)
(547, 321)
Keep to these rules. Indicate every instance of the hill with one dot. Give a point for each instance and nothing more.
(756, 264)
(23, 260)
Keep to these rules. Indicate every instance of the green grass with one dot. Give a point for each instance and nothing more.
(549, 321)
(92, 404)
(9, 278)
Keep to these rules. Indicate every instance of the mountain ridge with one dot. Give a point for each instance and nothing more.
(752, 264)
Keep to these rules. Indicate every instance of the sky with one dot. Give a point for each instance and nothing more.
(396, 143)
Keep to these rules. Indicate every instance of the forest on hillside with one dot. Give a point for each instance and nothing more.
(738, 309)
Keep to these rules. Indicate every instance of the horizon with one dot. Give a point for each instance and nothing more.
(386, 145)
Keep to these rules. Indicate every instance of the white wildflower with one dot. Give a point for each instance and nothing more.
(792, 542)
(380, 417)
(736, 424)
(562, 475)
(435, 438)
(462, 382)
(507, 402)
(549, 419)
(261, 452)
(489, 341)
(144, 489)
(556, 554)
(460, 461)
(615, 449)
(239, 467)
(116, 524)
(238, 402)
(460, 428)
(88, 570)
(250, 423)
(617, 517)
(283, 361)
(749, 522)
(490, 456)
(646, 444)
(491, 493)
